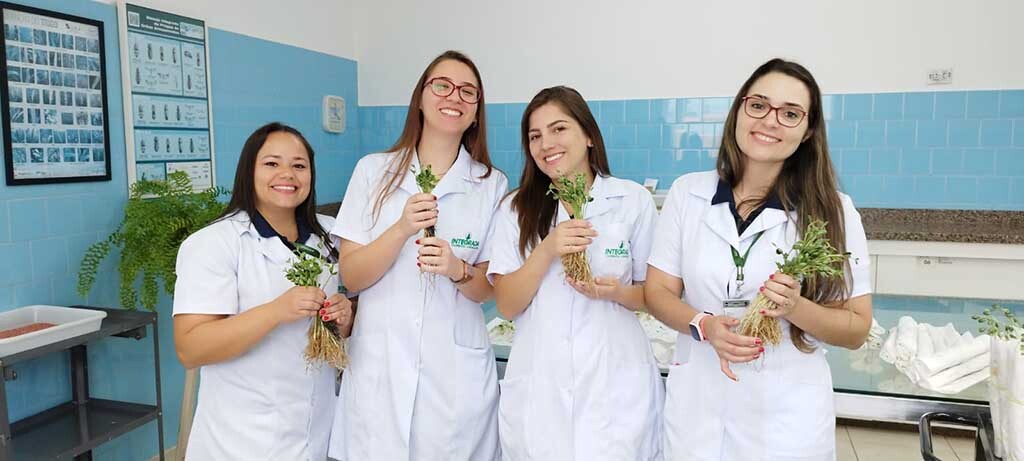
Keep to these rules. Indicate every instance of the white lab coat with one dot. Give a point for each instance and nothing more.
(264, 404)
(782, 408)
(422, 383)
(582, 383)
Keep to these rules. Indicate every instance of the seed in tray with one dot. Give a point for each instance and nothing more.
(25, 329)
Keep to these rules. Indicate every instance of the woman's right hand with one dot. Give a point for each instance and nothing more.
(420, 212)
(299, 303)
(569, 237)
(730, 347)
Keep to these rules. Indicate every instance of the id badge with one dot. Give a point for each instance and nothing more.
(735, 307)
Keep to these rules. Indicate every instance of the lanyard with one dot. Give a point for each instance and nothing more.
(741, 261)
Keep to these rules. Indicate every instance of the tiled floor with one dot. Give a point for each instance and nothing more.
(855, 443)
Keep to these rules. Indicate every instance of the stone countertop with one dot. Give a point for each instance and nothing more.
(963, 226)
(918, 225)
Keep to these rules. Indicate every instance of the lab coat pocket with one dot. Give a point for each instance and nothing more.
(470, 330)
(513, 419)
(634, 403)
(804, 404)
(611, 253)
(364, 391)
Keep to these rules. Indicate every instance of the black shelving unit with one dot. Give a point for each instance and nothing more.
(73, 429)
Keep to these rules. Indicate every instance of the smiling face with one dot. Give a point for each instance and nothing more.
(282, 176)
(558, 144)
(449, 114)
(765, 140)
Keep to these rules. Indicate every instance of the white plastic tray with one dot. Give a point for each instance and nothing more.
(68, 322)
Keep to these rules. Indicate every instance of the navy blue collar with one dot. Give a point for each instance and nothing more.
(266, 231)
(724, 195)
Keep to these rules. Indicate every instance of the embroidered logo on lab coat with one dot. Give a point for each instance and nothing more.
(620, 252)
(467, 242)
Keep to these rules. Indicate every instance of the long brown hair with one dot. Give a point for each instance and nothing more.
(243, 196)
(807, 182)
(474, 139)
(537, 211)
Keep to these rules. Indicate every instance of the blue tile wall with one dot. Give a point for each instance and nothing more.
(949, 150)
(45, 229)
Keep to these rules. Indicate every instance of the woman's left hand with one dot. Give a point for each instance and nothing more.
(784, 291)
(436, 256)
(601, 288)
(337, 309)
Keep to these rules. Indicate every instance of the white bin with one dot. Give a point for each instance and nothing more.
(68, 322)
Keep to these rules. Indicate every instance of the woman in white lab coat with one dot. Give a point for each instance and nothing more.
(422, 384)
(729, 397)
(238, 318)
(581, 382)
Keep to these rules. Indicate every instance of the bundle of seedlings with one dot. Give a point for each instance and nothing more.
(426, 180)
(574, 193)
(812, 256)
(1009, 330)
(325, 344)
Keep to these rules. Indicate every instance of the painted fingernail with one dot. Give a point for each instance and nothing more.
(762, 288)
(418, 265)
(321, 311)
(762, 312)
(760, 350)
(771, 277)
(435, 197)
(327, 304)
(417, 241)
(324, 318)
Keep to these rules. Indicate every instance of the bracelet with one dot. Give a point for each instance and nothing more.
(466, 275)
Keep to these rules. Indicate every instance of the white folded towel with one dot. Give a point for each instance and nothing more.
(959, 377)
(923, 367)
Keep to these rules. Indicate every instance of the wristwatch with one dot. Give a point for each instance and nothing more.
(695, 330)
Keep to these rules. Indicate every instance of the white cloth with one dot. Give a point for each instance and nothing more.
(422, 383)
(958, 377)
(782, 408)
(906, 342)
(1006, 390)
(264, 404)
(581, 382)
(926, 366)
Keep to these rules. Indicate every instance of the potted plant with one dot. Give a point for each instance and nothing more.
(1006, 385)
(158, 217)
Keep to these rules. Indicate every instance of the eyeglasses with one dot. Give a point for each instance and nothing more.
(443, 87)
(758, 107)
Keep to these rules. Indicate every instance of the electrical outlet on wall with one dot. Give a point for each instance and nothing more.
(942, 76)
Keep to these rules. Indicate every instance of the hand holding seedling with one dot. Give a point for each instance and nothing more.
(730, 347)
(784, 291)
(337, 309)
(607, 288)
(299, 303)
(568, 237)
(436, 256)
(420, 212)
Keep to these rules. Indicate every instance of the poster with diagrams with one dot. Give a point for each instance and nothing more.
(168, 111)
(54, 97)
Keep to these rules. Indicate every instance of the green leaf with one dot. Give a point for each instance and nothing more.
(149, 236)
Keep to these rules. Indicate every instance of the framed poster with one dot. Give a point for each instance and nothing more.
(166, 100)
(54, 97)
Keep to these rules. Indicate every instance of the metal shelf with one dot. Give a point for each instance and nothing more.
(73, 429)
(69, 430)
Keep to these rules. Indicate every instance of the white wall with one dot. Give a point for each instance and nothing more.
(326, 26)
(612, 49)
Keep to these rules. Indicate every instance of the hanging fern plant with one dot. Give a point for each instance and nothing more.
(149, 237)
